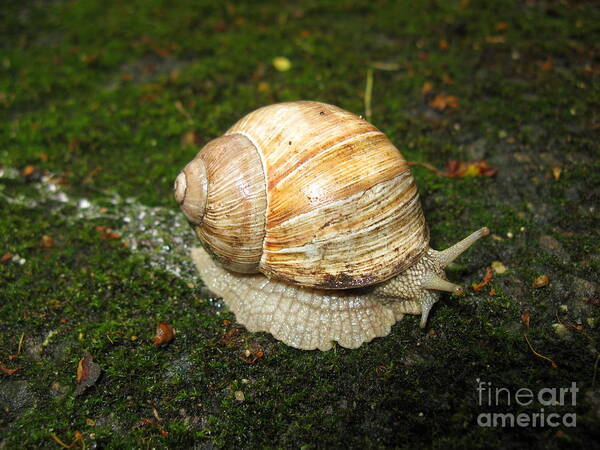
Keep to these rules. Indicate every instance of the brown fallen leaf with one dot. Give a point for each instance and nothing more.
(250, 357)
(525, 317)
(107, 233)
(151, 422)
(28, 170)
(547, 65)
(91, 174)
(47, 241)
(6, 257)
(486, 279)
(495, 39)
(88, 373)
(8, 371)
(164, 333)
(74, 145)
(231, 337)
(427, 88)
(442, 101)
(462, 169)
(541, 281)
(190, 139)
(447, 79)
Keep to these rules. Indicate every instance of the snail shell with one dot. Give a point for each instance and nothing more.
(312, 199)
(308, 194)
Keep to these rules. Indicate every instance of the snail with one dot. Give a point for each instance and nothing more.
(311, 227)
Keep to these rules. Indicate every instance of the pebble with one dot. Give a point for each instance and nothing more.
(561, 330)
(552, 246)
(498, 267)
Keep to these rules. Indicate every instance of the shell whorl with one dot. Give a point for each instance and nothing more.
(191, 190)
(222, 194)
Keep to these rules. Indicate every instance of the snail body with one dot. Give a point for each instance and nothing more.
(311, 226)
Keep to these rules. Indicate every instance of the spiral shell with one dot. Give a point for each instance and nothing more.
(305, 193)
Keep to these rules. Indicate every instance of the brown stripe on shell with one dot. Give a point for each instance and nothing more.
(233, 224)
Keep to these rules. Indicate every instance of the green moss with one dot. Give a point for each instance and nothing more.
(101, 94)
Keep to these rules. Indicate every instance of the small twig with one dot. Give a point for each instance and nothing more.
(387, 66)
(576, 327)
(554, 365)
(179, 106)
(59, 441)
(20, 348)
(368, 94)
(427, 166)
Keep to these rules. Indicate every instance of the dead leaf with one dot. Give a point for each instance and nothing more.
(427, 88)
(547, 65)
(501, 26)
(106, 233)
(447, 79)
(469, 169)
(486, 280)
(498, 267)
(47, 241)
(146, 422)
(190, 139)
(263, 86)
(28, 170)
(525, 318)
(8, 371)
(495, 39)
(6, 257)
(541, 281)
(87, 373)
(442, 101)
(231, 337)
(164, 333)
(91, 174)
(443, 44)
(55, 304)
(179, 106)
(250, 357)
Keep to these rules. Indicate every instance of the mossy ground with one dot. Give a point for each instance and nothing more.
(101, 93)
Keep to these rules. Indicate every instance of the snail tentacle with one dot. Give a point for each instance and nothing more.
(433, 281)
(445, 257)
